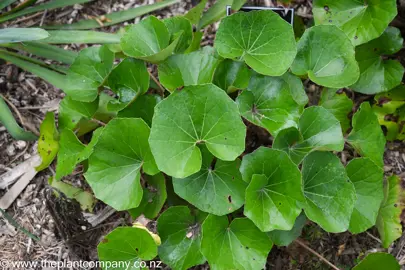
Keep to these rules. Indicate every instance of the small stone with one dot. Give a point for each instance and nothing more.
(10, 150)
(77, 7)
(21, 144)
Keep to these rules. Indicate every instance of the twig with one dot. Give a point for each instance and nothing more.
(375, 238)
(35, 108)
(98, 122)
(95, 220)
(43, 17)
(316, 254)
(19, 155)
(28, 18)
(156, 81)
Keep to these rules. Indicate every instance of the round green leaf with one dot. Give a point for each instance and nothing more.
(188, 69)
(378, 261)
(48, 143)
(274, 189)
(319, 130)
(89, 71)
(232, 75)
(367, 136)
(338, 104)
(367, 178)
(70, 148)
(326, 54)
(126, 246)
(129, 79)
(261, 38)
(115, 165)
(153, 199)
(330, 196)
(180, 232)
(217, 188)
(376, 74)
(284, 238)
(239, 245)
(389, 216)
(273, 103)
(143, 107)
(285, 141)
(195, 115)
(149, 40)
(179, 24)
(361, 20)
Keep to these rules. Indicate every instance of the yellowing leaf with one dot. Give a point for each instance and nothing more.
(48, 144)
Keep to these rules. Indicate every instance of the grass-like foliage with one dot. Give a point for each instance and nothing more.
(187, 132)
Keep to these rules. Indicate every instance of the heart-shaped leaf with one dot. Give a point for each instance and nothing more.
(143, 107)
(261, 38)
(319, 130)
(72, 111)
(115, 164)
(70, 148)
(149, 40)
(217, 188)
(378, 261)
(195, 115)
(284, 238)
(274, 103)
(188, 69)
(153, 199)
(339, 104)
(326, 54)
(361, 20)
(390, 111)
(179, 24)
(377, 74)
(274, 189)
(330, 196)
(367, 178)
(389, 216)
(367, 137)
(232, 75)
(48, 143)
(129, 79)
(139, 246)
(239, 245)
(88, 72)
(180, 231)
